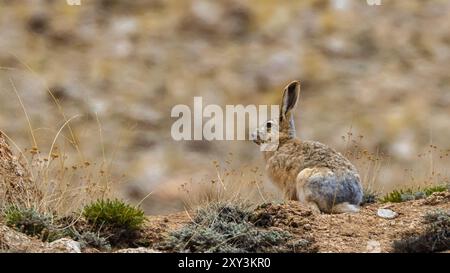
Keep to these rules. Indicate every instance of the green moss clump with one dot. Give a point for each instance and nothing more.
(115, 220)
(114, 214)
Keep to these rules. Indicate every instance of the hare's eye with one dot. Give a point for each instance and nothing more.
(269, 125)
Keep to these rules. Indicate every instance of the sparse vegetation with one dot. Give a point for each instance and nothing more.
(33, 223)
(93, 239)
(50, 182)
(231, 183)
(432, 189)
(403, 195)
(369, 165)
(28, 221)
(223, 227)
(435, 238)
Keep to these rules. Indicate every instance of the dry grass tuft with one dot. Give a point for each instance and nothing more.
(430, 172)
(52, 185)
(231, 184)
(368, 163)
(51, 180)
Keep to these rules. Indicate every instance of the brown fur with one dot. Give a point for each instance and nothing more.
(309, 171)
(294, 155)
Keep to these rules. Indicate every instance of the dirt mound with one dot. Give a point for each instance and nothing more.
(361, 232)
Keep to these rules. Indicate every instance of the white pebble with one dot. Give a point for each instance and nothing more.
(386, 213)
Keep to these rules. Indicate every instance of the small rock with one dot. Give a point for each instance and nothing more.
(137, 250)
(348, 233)
(373, 246)
(387, 213)
(65, 245)
(294, 224)
(14, 241)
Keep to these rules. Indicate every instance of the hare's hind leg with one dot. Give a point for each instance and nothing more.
(304, 194)
(332, 194)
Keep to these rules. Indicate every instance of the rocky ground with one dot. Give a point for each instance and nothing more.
(365, 231)
(361, 232)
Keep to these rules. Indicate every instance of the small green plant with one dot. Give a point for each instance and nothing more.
(115, 220)
(438, 188)
(27, 220)
(369, 197)
(226, 228)
(435, 238)
(394, 197)
(404, 195)
(33, 223)
(115, 214)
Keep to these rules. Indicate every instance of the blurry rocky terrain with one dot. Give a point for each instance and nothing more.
(380, 72)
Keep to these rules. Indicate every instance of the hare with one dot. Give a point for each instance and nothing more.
(308, 171)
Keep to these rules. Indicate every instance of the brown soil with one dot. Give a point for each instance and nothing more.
(361, 232)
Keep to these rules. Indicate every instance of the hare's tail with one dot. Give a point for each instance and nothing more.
(345, 207)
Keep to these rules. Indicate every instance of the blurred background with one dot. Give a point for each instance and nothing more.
(377, 74)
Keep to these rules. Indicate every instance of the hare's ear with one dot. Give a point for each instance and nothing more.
(290, 98)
